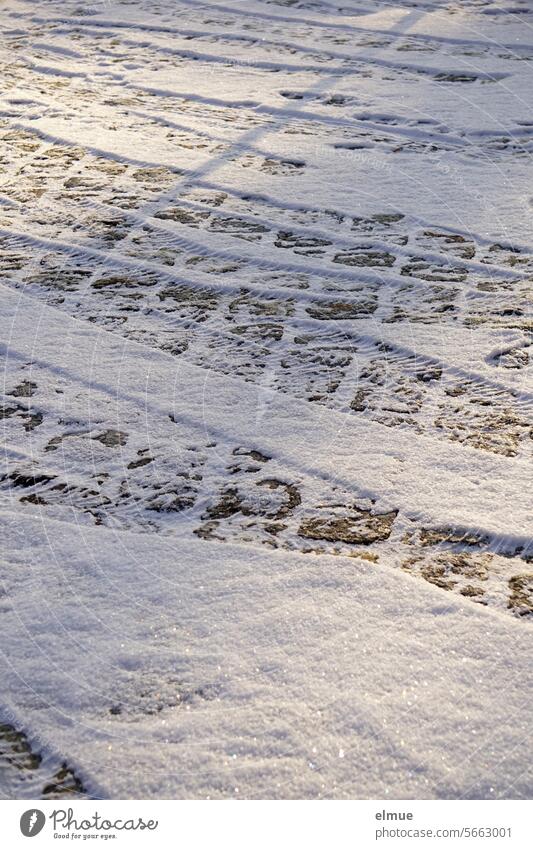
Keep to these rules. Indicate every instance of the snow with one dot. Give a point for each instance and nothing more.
(434, 482)
(266, 667)
(265, 497)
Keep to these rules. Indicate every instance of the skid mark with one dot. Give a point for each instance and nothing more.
(26, 773)
(285, 291)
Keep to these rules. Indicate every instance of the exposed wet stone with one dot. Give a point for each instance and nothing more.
(6, 412)
(34, 499)
(208, 531)
(122, 281)
(387, 218)
(360, 400)
(142, 461)
(437, 574)
(305, 245)
(84, 182)
(429, 373)
(456, 390)
(467, 565)
(112, 438)
(246, 468)
(449, 570)
(158, 175)
(266, 331)
(515, 358)
(206, 196)
(292, 95)
(497, 428)
(341, 310)
(16, 751)
(27, 479)
(182, 215)
(229, 503)
(450, 242)
(274, 528)
(389, 392)
(156, 692)
(435, 536)
(64, 783)
(32, 420)
(250, 305)
(381, 259)
(192, 302)
(381, 222)
(400, 391)
(426, 270)
(24, 390)
(293, 496)
(282, 167)
(455, 78)
(427, 307)
(246, 501)
(255, 455)
(12, 261)
(471, 591)
(239, 227)
(173, 501)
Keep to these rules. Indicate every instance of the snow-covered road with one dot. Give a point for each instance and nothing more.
(265, 274)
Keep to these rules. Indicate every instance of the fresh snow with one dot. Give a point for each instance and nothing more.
(279, 676)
